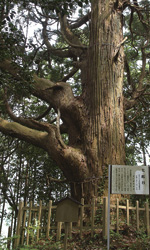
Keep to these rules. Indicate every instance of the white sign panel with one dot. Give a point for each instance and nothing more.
(129, 179)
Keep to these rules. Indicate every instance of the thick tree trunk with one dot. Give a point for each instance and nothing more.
(104, 98)
(106, 67)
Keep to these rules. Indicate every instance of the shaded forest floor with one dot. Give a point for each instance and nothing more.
(127, 238)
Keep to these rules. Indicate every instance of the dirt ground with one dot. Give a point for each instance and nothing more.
(127, 238)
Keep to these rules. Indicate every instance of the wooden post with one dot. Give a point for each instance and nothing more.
(23, 225)
(92, 217)
(127, 208)
(81, 217)
(70, 230)
(58, 235)
(147, 218)
(39, 220)
(117, 215)
(19, 220)
(49, 219)
(29, 222)
(137, 216)
(105, 207)
(66, 235)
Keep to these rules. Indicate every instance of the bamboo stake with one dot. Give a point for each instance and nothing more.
(19, 220)
(39, 220)
(105, 207)
(147, 218)
(29, 222)
(117, 215)
(49, 219)
(59, 224)
(23, 225)
(127, 208)
(81, 217)
(137, 216)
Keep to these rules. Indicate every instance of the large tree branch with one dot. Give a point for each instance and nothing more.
(30, 123)
(63, 53)
(68, 35)
(81, 21)
(49, 141)
(71, 74)
(43, 88)
(14, 129)
(34, 136)
(58, 96)
(46, 112)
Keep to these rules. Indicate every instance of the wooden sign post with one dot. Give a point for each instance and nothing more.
(67, 211)
(66, 235)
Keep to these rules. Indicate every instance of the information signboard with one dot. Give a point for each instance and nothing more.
(129, 179)
(126, 180)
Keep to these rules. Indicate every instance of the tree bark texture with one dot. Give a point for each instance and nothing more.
(94, 121)
(105, 83)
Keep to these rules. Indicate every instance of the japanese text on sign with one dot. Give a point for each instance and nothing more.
(130, 180)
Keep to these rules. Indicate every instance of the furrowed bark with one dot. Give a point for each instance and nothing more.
(106, 66)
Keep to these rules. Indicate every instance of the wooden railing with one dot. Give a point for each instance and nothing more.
(39, 220)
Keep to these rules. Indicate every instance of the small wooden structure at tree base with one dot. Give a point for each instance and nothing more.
(67, 211)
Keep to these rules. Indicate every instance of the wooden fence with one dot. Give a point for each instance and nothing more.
(39, 220)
